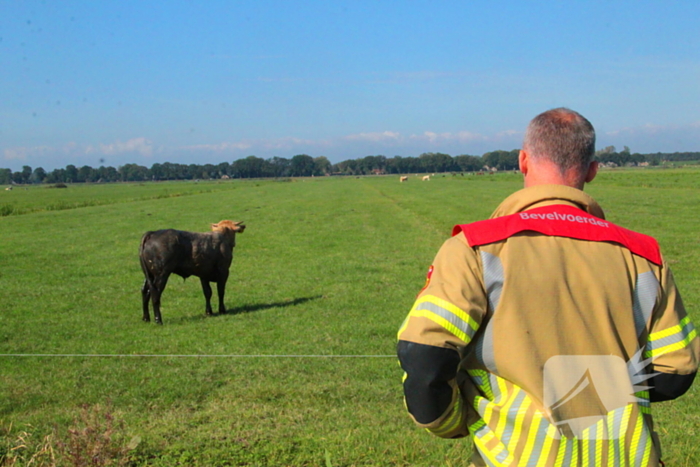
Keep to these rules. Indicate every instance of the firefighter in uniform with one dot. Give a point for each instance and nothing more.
(545, 332)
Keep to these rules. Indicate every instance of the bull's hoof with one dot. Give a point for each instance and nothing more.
(146, 320)
(158, 321)
(222, 312)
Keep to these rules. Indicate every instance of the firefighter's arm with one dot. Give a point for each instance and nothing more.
(434, 336)
(430, 390)
(673, 344)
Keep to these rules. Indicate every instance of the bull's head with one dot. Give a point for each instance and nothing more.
(229, 228)
(230, 225)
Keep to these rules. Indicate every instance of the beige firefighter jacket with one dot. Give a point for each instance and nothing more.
(553, 338)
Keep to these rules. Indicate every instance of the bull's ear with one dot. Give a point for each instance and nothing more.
(214, 226)
(240, 227)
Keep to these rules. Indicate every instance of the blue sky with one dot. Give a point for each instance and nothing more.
(114, 82)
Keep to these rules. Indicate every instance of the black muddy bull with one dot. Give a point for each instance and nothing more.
(206, 255)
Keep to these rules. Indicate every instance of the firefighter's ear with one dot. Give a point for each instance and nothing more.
(523, 161)
(592, 171)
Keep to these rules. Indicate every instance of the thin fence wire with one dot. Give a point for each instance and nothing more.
(187, 356)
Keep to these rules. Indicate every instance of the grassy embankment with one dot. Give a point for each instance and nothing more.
(327, 268)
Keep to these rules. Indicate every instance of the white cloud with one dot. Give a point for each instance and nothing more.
(375, 137)
(140, 146)
(289, 143)
(233, 147)
(448, 137)
(25, 153)
(220, 147)
(652, 138)
(17, 154)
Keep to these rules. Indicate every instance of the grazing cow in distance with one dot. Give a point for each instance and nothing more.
(426, 178)
(403, 179)
(206, 255)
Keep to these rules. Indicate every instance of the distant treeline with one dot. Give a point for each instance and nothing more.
(303, 165)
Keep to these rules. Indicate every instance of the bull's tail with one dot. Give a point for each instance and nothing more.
(142, 259)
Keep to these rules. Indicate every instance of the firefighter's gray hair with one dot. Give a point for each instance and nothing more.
(563, 136)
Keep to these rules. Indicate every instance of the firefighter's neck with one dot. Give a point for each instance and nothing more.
(541, 171)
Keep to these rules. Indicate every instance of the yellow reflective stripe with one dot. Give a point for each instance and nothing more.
(559, 461)
(537, 420)
(442, 322)
(636, 437)
(403, 327)
(488, 412)
(452, 309)
(484, 384)
(518, 428)
(488, 436)
(484, 451)
(505, 405)
(623, 430)
(654, 336)
(641, 444)
(671, 339)
(647, 453)
(507, 428)
(474, 427)
(584, 450)
(612, 459)
(547, 446)
(508, 459)
(672, 347)
(497, 455)
(567, 444)
(593, 437)
(498, 387)
(643, 401)
(453, 421)
(599, 446)
(468, 327)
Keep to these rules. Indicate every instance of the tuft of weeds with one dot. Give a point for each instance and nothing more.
(20, 449)
(97, 439)
(7, 210)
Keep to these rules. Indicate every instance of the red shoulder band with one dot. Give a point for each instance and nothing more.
(559, 221)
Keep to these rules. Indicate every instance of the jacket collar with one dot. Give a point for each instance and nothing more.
(545, 195)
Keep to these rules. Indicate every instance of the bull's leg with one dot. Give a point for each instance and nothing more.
(158, 286)
(207, 295)
(145, 297)
(220, 289)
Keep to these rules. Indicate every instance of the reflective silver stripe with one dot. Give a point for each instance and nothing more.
(568, 445)
(643, 398)
(537, 441)
(447, 315)
(502, 456)
(511, 417)
(493, 279)
(642, 447)
(673, 338)
(614, 433)
(645, 292)
(593, 439)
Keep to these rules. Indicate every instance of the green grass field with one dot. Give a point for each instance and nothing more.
(300, 372)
